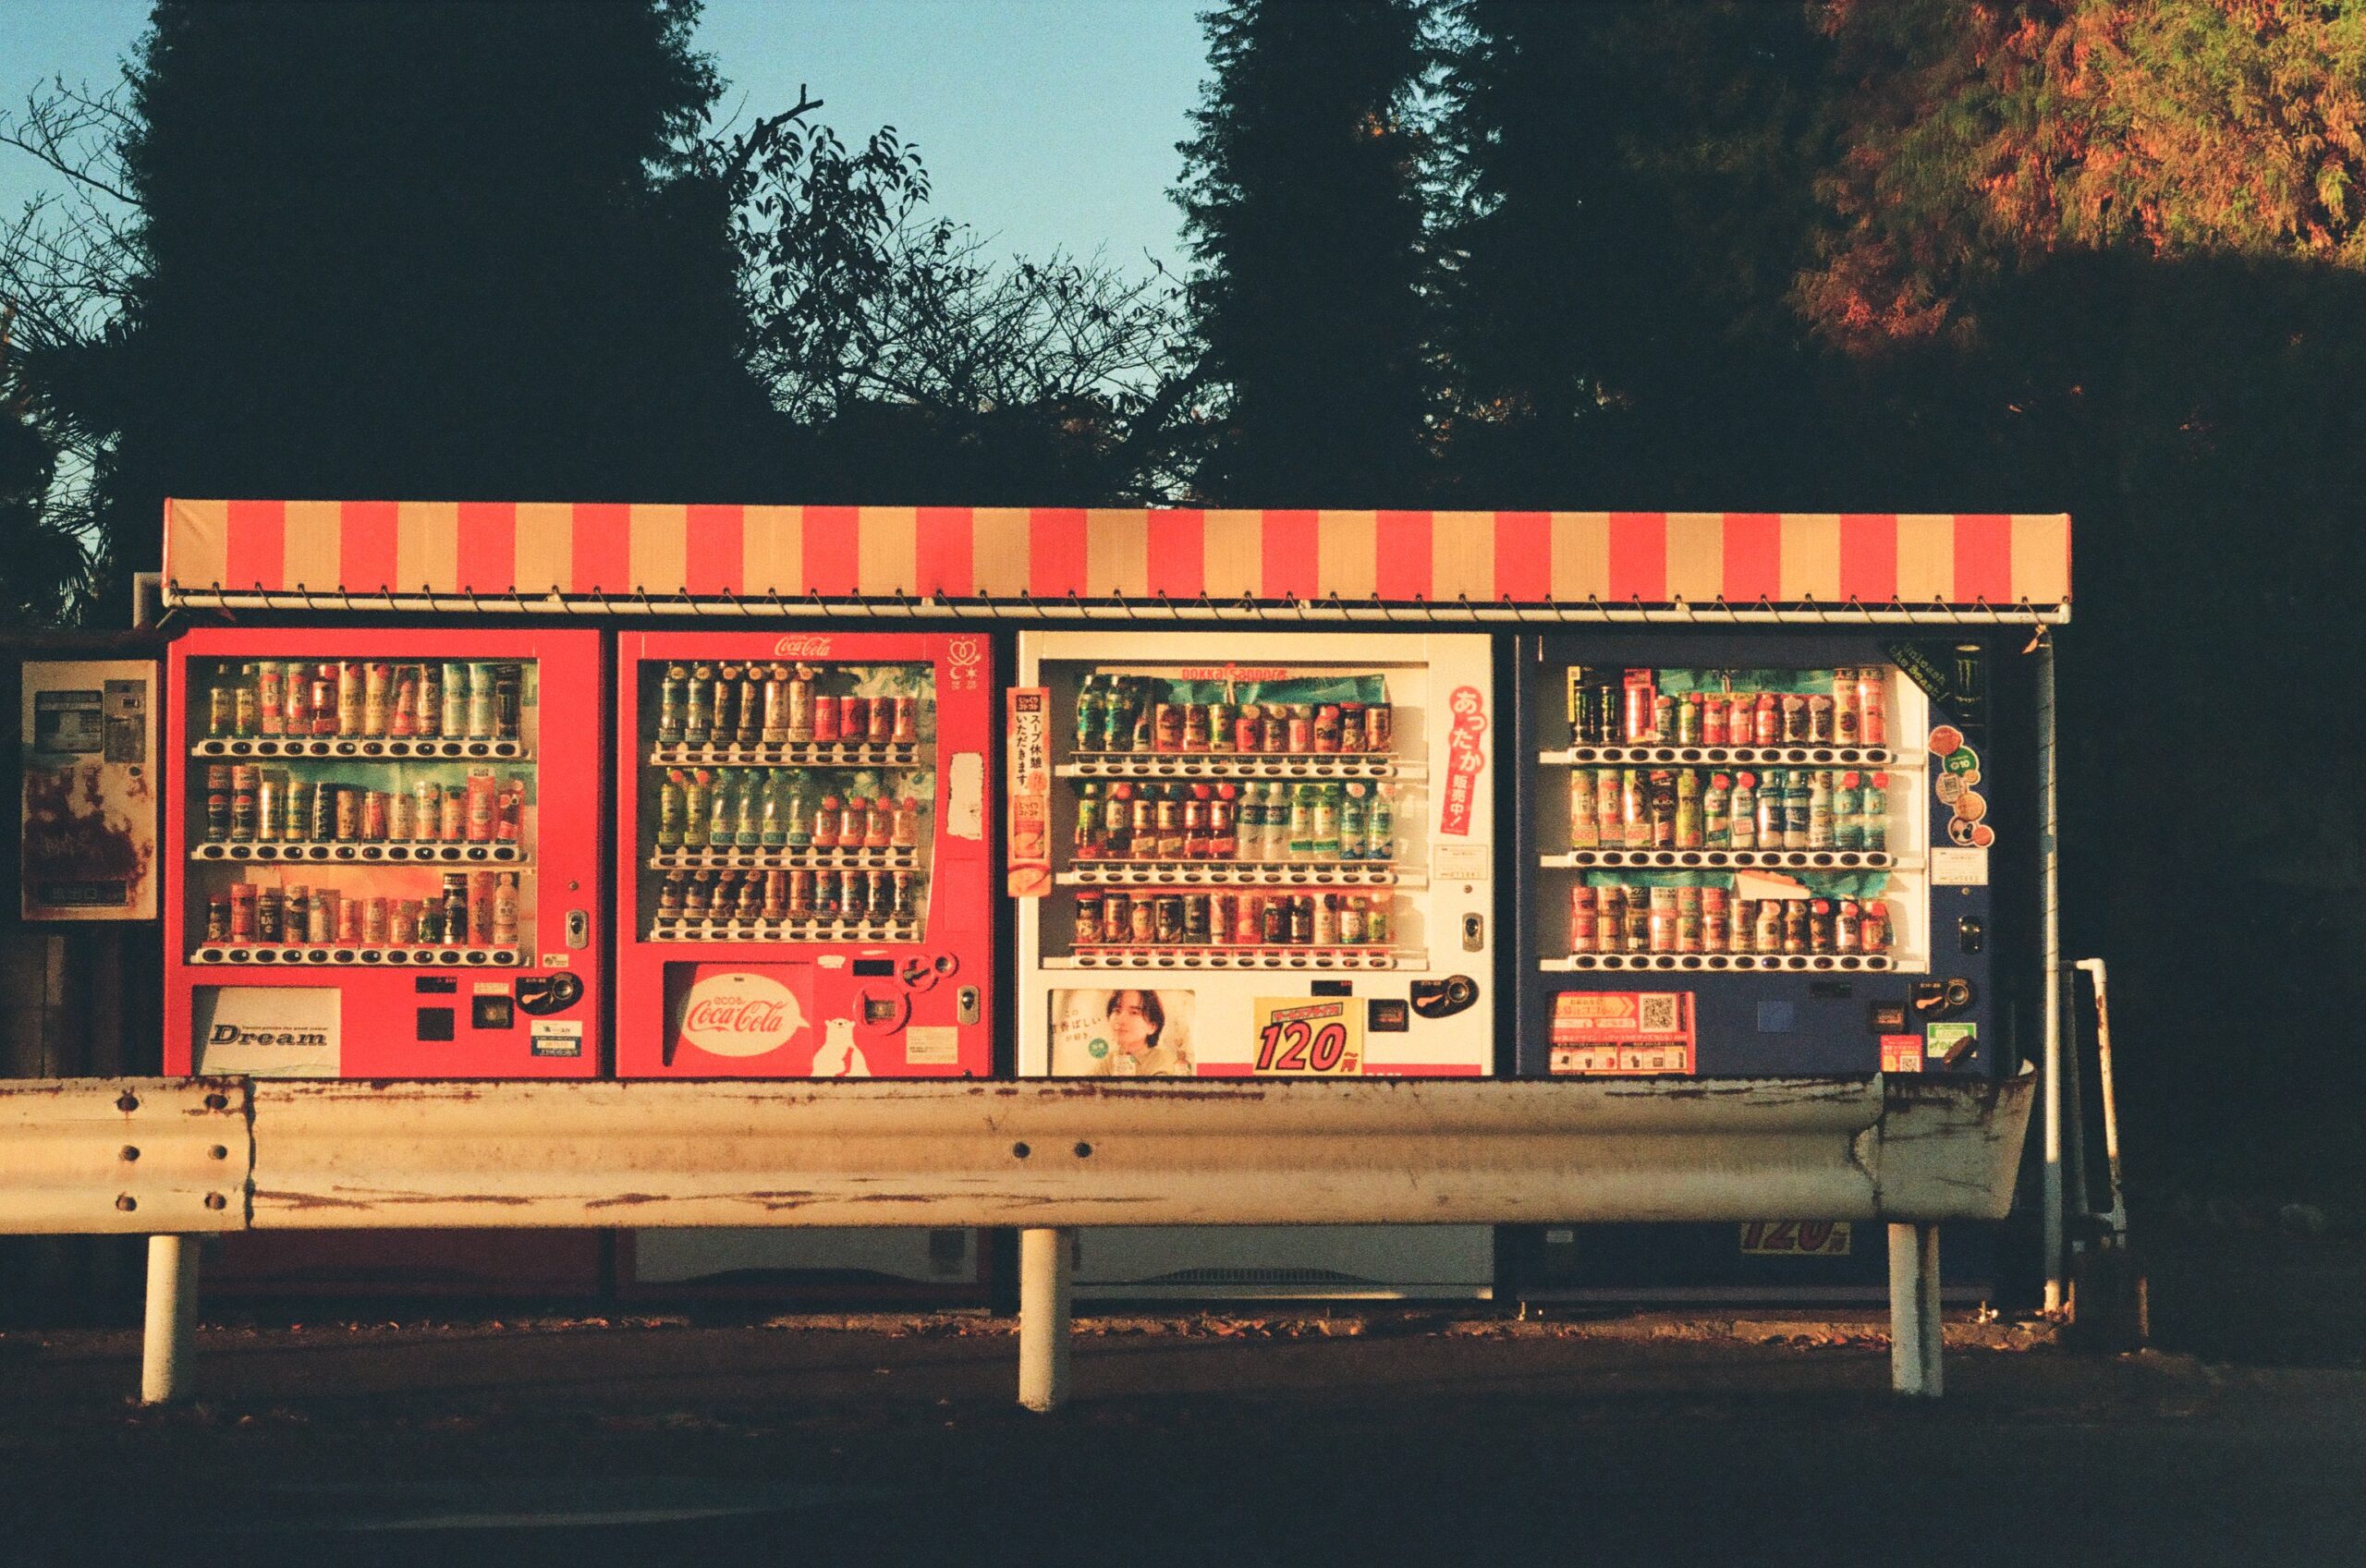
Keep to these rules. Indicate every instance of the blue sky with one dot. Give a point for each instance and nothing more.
(1044, 122)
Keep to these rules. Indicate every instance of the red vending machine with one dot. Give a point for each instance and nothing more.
(804, 891)
(388, 847)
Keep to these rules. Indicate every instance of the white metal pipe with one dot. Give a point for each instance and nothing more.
(2117, 1218)
(168, 1345)
(1915, 1329)
(2050, 899)
(1043, 1311)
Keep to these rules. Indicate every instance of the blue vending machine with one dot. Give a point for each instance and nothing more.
(1753, 855)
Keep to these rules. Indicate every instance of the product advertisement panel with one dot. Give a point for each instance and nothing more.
(86, 847)
(1256, 855)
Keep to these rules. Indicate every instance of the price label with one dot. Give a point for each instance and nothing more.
(1301, 1038)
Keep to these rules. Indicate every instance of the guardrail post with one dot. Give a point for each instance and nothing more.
(168, 1348)
(1043, 1317)
(1914, 1322)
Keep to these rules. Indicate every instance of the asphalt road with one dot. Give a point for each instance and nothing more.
(1409, 1440)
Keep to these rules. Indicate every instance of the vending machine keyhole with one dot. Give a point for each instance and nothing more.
(966, 1005)
(1474, 933)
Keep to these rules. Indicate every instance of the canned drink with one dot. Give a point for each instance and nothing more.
(1198, 726)
(242, 803)
(1585, 828)
(800, 891)
(402, 921)
(245, 716)
(1845, 727)
(776, 893)
(1635, 808)
(1873, 727)
(775, 725)
(271, 704)
(1795, 720)
(906, 728)
(1820, 720)
(1662, 917)
(825, 719)
(349, 922)
(481, 701)
(482, 888)
(1610, 918)
(430, 700)
(377, 695)
(218, 802)
(1117, 916)
(1380, 727)
(1713, 720)
(402, 719)
(750, 730)
(451, 815)
(1168, 917)
(1640, 710)
(267, 803)
(1248, 728)
(823, 901)
(324, 699)
(349, 814)
(1689, 720)
(375, 923)
(242, 911)
(1584, 907)
(1274, 920)
(321, 917)
(296, 808)
(907, 895)
(456, 701)
(882, 721)
(801, 704)
(1224, 915)
(1716, 919)
(1143, 919)
(1689, 832)
(1742, 926)
(222, 708)
(1301, 728)
(1274, 729)
(1248, 919)
(481, 803)
(375, 815)
(1689, 937)
(1166, 728)
(509, 700)
(854, 719)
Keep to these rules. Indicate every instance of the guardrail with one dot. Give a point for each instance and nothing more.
(174, 1157)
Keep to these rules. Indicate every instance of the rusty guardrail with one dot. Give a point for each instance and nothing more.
(179, 1157)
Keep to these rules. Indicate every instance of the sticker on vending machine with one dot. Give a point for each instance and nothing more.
(1621, 1032)
(1296, 1037)
(1029, 758)
(1466, 758)
(1901, 1053)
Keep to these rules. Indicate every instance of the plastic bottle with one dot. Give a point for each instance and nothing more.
(1796, 793)
(1355, 816)
(1876, 806)
(1380, 827)
(1848, 812)
(1771, 811)
(1743, 827)
(906, 831)
(1819, 832)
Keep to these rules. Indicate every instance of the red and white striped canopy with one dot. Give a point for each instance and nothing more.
(509, 556)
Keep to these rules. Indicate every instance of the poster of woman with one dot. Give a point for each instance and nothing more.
(1098, 1034)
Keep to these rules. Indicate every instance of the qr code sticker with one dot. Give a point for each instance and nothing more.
(1659, 1015)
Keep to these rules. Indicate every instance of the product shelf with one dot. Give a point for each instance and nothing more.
(362, 748)
(373, 954)
(794, 754)
(1882, 758)
(1819, 963)
(1726, 859)
(342, 853)
(1310, 875)
(1156, 957)
(791, 929)
(905, 858)
(1238, 766)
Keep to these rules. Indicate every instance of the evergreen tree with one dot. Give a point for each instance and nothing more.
(424, 250)
(1304, 196)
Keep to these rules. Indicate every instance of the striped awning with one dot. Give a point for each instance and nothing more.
(1161, 565)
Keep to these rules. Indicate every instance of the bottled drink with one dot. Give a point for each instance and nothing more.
(797, 826)
(1819, 934)
(222, 706)
(1796, 795)
(1325, 845)
(749, 829)
(1847, 927)
(1689, 720)
(1689, 830)
(1663, 808)
(403, 719)
(1767, 828)
(1819, 832)
(1716, 811)
(505, 910)
(1224, 823)
(245, 709)
(1847, 812)
(1634, 810)
(456, 701)
(1585, 831)
(1167, 814)
(1713, 720)
(670, 796)
(673, 690)
(1090, 840)
(1845, 728)
(1142, 826)
(1302, 830)
(775, 727)
(878, 823)
(1354, 818)
(1380, 828)
(723, 809)
(1195, 821)
(428, 700)
(751, 730)
(1873, 726)
(698, 804)
(906, 833)
(1794, 925)
(773, 830)
(698, 706)
(854, 817)
(1766, 721)
(1117, 822)
(1876, 806)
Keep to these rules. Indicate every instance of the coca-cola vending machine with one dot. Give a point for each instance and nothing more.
(386, 848)
(803, 892)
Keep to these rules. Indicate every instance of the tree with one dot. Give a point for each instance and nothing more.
(1304, 193)
(44, 572)
(389, 249)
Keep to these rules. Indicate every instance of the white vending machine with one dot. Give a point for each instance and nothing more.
(1258, 854)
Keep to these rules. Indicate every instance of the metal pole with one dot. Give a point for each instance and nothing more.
(2049, 895)
(2117, 1218)
(1043, 1318)
(1915, 1337)
(168, 1350)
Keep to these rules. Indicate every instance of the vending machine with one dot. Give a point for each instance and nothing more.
(387, 847)
(1257, 854)
(1752, 855)
(804, 892)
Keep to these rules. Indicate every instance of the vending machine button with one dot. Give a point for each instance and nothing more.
(492, 1012)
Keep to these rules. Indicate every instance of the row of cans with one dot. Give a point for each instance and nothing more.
(1607, 707)
(771, 704)
(822, 894)
(1138, 713)
(245, 804)
(1618, 918)
(1107, 917)
(290, 697)
(475, 908)
(1692, 809)
(1267, 822)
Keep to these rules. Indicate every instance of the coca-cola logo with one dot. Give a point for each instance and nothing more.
(740, 1014)
(804, 647)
